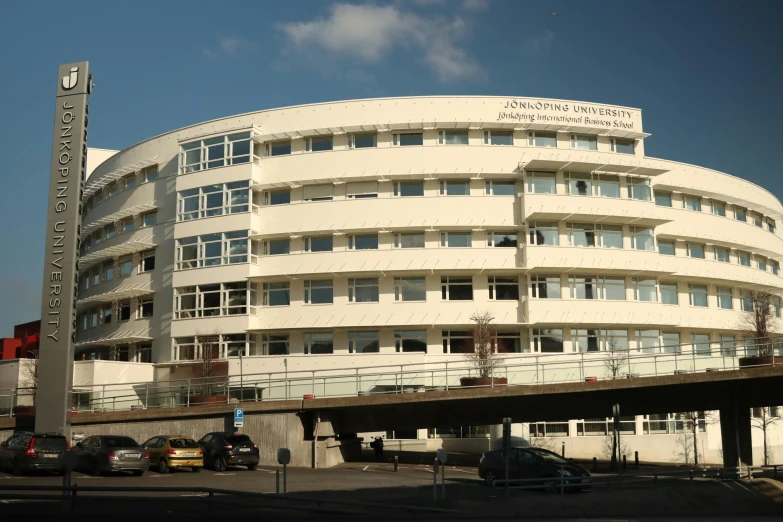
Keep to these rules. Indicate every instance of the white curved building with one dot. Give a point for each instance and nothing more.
(368, 232)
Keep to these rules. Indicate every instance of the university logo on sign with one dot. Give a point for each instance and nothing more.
(70, 81)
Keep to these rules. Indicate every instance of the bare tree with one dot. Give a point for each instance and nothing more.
(210, 352)
(615, 359)
(763, 419)
(484, 354)
(759, 320)
(29, 374)
(693, 420)
(684, 449)
(611, 448)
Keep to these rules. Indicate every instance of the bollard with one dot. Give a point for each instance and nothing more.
(277, 482)
(562, 478)
(562, 451)
(595, 464)
(285, 480)
(435, 480)
(720, 474)
(690, 474)
(209, 505)
(775, 471)
(655, 479)
(614, 463)
(443, 481)
(636, 458)
(396, 463)
(625, 462)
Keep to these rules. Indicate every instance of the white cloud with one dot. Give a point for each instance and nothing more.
(369, 33)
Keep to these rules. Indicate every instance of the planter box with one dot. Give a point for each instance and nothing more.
(24, 411)
(758, 360)
(482, 382)
(196, 400)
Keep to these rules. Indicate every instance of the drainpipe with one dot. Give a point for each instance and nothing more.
(317, 422)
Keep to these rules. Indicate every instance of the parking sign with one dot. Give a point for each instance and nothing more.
(239, 417)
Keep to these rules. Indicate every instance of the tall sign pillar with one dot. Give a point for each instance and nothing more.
(63, 223)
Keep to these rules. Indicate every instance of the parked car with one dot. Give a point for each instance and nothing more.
(107, 453)
(26, 451)
(531, 463)
(223, 449)
(174, 451)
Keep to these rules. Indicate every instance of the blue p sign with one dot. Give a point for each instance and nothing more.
(239, 417)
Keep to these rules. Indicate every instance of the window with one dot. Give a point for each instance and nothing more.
(579, 184)
(324, 192)
(583, 287)
(701, 343)
(724, 298)
(149, 174)
(278, 148)
(457, 341)
(775, 267)
(124, 310)
(363, 290)
(639, 189)
(127, 225)
(740, 214)
(541, 183)
(608, 186)
(670, 342)
(277, 197)
(771, 225)
(727, 346)
(147, 261)
(409, 189)
(501, 239)
(504, 288)
(721, 254)
(113, 188)
(453, 137)
(455, 188)
(718, 208)
(318, 343)
(761, 263)
(584, 142)
(581, 235)
(545, 287)
(697, 295)
(666, 247)
(456, 239)
(227, 248)
(209, 153)
(647, 341)
(645, 289)
(129, 181)
(743, 258)
(318, 244)
(145, 308)
(500, 188)
(318, 143)
(276, 294)
(276, 247)
(364, 342)
(542, 139)
(363, 242)
(669, 293)
(757, 219)
(695, 250)
(613, 340)
(691, 203)
(106, 314)
(456, 288)
(410, 289)
(409, 240)
(544, 234)
(498, 137)
(410, 341)
(408, 139)
(110, 231)
(364, 140)
(585, 340)
(108, 270)
(622, 146)
(776, 306)
(663, 199)
(362, 190)
(214, 300)
(319, 292)
(642, 238)
(126, 266)
(509, 342)
(213, 200)
(274, 344)
(547, 340)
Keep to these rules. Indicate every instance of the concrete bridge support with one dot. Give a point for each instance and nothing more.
(735, 431)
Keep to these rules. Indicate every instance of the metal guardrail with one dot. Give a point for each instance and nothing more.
(401, 378)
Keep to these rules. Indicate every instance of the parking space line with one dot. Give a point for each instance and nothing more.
(194, 495)
(222, 474)
(365, 468)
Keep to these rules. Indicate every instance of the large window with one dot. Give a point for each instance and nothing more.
(147, 261)
(545, 287)
(584, 142)
(278, 148)
(364, 140)
(364, 342)
(504, 288)
(319, 143)
(590, 235)
(410, 340)
(663, 199)
(227, 248)
(509, 342)
(666, 247)
(579, 184)
(456, 239)
(410, 289)
(670, 342)
(607, 185)
(409, 189)
(647, 341)
(214, 300)
(456, 288)
(220, 151)
(363, 242)
(639, 189)
(548, 340)
(498, 137)
(721, 254)
(319, 291)
(363, 290)
(541, 183)
(695, 250)
(701, 343)
(718, 208)
(724, 298)
(502, 239)
(409, 240)
(691, 203)
(213, 200)
(276, 294)
(622, 146)
(500, 188)
(590, 287)
(642, 238)
(276, 247)
(222, 346)
(669, 293)
(697, 295)
(274, 344)
(544, 234)
(542, 139)
(318, 343)
(457, 187)
(408, 139)
(318, 244)
(585, 340)
(457, 341)
(645, 289)
(277, 197)
(149, 219)
(453, 137)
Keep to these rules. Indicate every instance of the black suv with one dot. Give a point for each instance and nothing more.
(25, 451)
(223, 449)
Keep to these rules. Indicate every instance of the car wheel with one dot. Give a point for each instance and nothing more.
(163, 467)
(196, 469)
(219, 464)
(490, 478)
(138, 472)
(252, 467)
(16, 468)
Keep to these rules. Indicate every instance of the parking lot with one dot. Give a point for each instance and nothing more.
(411, 485)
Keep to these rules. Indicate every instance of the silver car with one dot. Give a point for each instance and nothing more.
(108, 453)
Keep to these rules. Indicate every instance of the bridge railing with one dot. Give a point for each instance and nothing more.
(509, 370)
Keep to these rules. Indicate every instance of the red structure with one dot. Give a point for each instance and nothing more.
(25, 339)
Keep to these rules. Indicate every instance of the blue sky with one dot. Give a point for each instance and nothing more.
(707, 74)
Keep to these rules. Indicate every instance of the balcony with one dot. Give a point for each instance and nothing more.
(590, 209)
(559, 259)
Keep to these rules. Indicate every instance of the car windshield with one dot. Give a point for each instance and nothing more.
(237, 439)
(120, 442)
(549, 456)
(183, 443)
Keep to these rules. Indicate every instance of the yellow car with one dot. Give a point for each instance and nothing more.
(174, 451)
